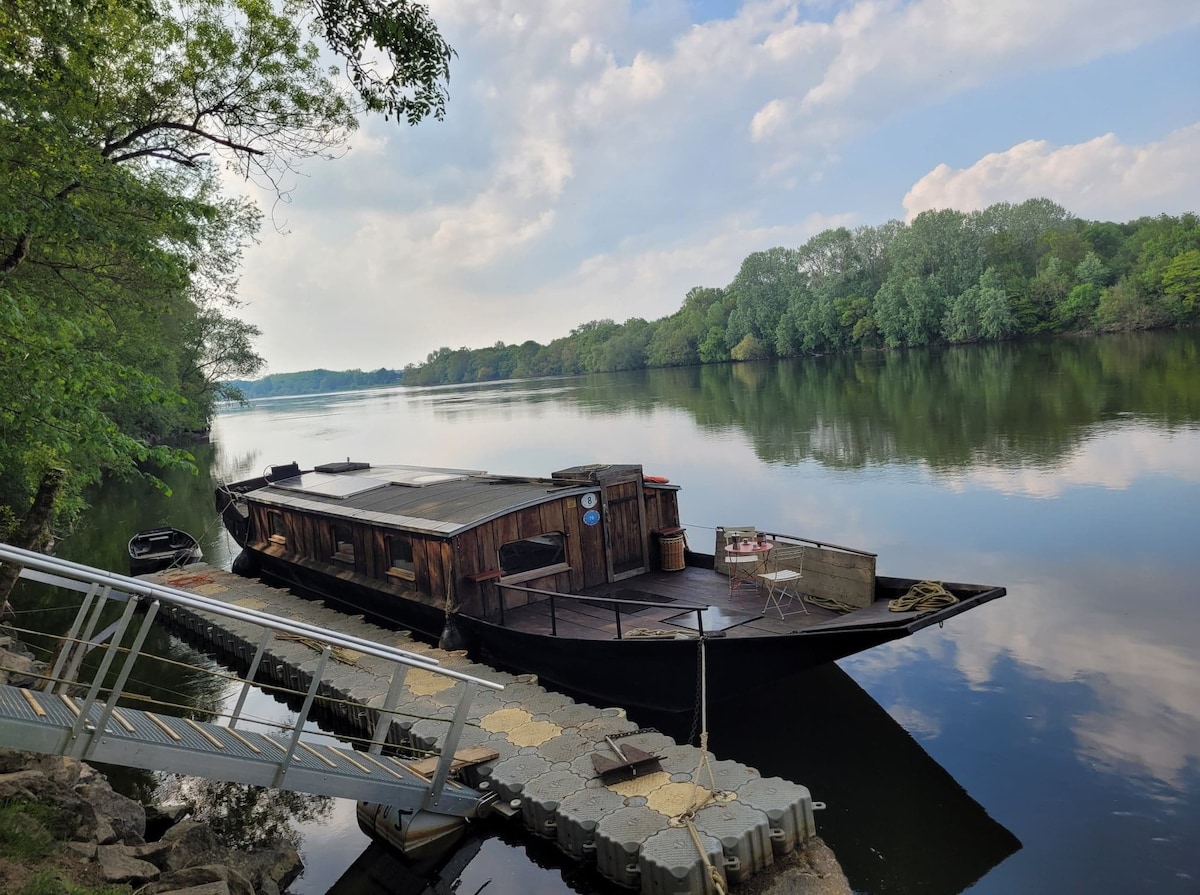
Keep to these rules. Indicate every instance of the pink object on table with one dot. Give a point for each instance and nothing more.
(748, 548)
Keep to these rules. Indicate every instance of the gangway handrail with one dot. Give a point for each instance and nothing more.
(68, 569)
(84, 737)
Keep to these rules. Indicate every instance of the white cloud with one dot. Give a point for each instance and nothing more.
(1101, 178)
(1141, 668)
(1114, 461)
(594, 133)
(767, 120)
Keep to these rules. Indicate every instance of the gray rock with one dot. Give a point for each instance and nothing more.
(190, 878)
(127, 817)
(118, 866)
(219, 887)
(273, 868)
(85, 850)
(30, 785)
(60, 769)
(95, 828)
(19, 671)
(156, 853)
(191, 844)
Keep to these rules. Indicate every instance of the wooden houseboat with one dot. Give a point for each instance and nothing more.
(584, 578)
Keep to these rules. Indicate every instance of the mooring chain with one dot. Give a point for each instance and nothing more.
(697, 709)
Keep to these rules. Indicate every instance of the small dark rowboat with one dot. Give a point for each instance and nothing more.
(160, 548)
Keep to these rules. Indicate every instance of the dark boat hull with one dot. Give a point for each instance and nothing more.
(157, 549)
(665, 675)
(657, 674)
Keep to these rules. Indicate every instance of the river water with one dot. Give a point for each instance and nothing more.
(1045, 742)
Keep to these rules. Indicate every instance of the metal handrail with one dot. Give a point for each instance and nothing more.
(137, 587)
(553, 595)
(104, 585)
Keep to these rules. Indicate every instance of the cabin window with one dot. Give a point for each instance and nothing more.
(400, 557)
(343, 543)
(277, 527)
(528, 554)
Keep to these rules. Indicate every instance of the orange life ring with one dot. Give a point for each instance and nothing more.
(656, 479)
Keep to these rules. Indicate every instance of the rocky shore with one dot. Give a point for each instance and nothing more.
(61, 817)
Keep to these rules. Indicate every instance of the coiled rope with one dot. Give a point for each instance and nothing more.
(924, 596)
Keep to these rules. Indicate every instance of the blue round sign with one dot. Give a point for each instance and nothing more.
(591, 517)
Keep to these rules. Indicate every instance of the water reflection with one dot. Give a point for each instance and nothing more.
(1068, 471)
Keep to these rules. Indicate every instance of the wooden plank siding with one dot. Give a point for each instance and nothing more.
(839, 575)
(443, 567)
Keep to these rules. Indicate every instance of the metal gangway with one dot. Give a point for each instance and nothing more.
(91, 725)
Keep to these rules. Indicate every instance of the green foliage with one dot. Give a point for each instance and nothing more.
(409, 82)
(309, 382)
(50, 882)
(749, 348)
(29, 830)
(948, 277)
(118, 251)
(1181, 284)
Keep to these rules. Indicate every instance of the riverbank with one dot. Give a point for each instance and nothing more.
(63, 829)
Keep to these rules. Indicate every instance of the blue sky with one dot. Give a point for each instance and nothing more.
(600, 158)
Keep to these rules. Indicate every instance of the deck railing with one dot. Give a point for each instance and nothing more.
(553, 596)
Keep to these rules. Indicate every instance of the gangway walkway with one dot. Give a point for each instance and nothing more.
(91, 726)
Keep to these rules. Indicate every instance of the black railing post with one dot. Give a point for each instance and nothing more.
(553, 620)
(617, 612)
(700, 622)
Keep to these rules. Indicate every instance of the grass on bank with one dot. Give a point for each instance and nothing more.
(29, 834)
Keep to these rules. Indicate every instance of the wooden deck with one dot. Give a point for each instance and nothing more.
(738, 615)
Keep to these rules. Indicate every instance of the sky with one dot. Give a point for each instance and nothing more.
(599, 158)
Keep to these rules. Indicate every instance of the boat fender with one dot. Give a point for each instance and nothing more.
(452, 636)
(246, 564)
(656, 479)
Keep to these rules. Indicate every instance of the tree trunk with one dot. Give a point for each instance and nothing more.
(34, 531)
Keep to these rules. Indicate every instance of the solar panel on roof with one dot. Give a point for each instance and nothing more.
(325, 485)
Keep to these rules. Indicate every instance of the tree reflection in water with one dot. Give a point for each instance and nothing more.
(244, 816)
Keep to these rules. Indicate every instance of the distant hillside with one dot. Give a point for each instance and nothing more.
(310, 382)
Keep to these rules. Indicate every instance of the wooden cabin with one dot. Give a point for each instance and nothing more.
(443, 537)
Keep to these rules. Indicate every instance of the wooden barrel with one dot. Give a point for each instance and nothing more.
(671, 550)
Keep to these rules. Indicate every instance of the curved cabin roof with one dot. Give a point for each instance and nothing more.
(427, 500)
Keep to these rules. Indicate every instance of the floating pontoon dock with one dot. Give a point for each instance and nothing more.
(636, 831)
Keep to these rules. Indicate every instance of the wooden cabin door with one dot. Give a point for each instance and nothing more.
(625, 537)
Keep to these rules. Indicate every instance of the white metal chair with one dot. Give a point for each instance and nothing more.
(785, 569)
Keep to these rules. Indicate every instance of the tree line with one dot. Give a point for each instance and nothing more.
(311, 382)
(119, 247)
(948, 277)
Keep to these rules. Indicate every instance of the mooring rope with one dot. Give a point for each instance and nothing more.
(686, 819)
(659, 633)
(829, 603)
(924, 596)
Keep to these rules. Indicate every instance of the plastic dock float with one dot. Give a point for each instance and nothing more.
(636, 831)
